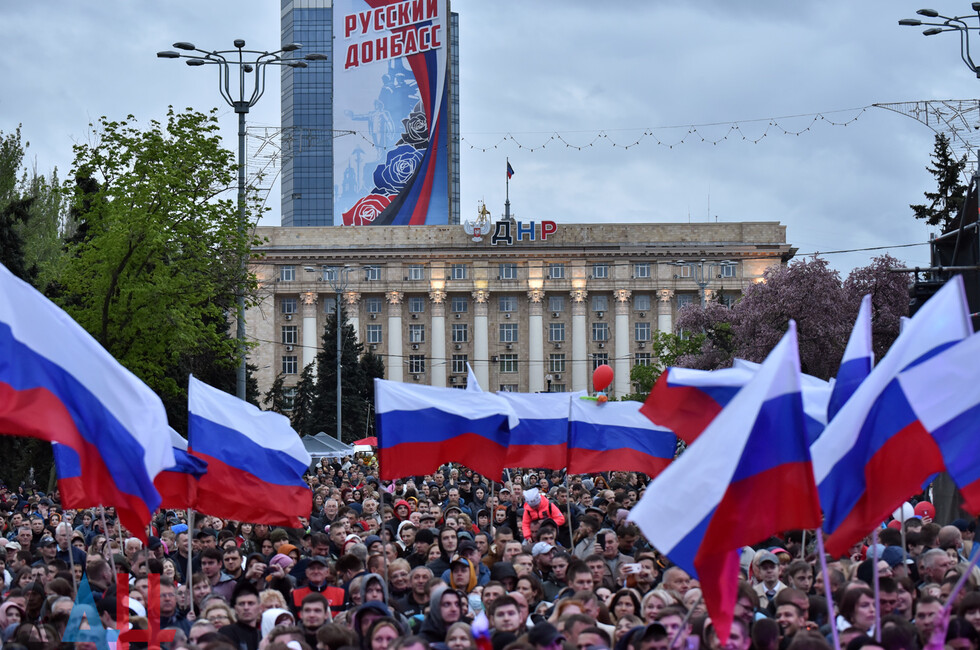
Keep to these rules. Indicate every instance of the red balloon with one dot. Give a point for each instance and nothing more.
(895, 523)
(602, 377)
(925, 509)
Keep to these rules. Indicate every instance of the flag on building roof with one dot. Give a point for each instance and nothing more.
(256, 460)
(421, 427)
(540, 439)
(856, 364)
(58, 384)
(510, 170)
(874, 453)
(178, 484)
(747, 477)
(616, 436)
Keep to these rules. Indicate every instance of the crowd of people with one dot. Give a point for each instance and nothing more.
(542, 561)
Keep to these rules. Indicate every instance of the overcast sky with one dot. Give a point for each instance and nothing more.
(580, 69)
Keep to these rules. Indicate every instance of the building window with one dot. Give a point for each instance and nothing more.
(685, 299)
(600, 331)
(416, 363)
(416, 305)
(508, 388)
(287, 305)
(507, 303)
(508, 363)
(600, 271)
(290, 366)
(289, 335)
(557, 388)
(374, 334)
(556, 332)
(372, 273)
(288, 398)
(508, 332)
(287, 273)
(556, 363)
(685, 271)
(373, 305)
(458, 272)
(459, 363)
(600, 303)
(641, 270)
(643, 359)
(416, 333)
(642, 331)
(508, 271)
(641, 302)
(599, 359)
(556, 271)
(461, 333)
(460, 304)
(726, 299)
(329, 305)
(416, 272)
(728, 271)
(556, 303)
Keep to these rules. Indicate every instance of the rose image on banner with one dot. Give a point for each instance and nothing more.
(416, 129)
(366, 210)
(398, 169)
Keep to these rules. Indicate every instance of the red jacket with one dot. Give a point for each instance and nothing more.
(544, 510)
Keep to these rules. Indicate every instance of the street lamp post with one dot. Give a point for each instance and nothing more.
(339, 278)
(241, 102)
(698, 273)
(963, 24)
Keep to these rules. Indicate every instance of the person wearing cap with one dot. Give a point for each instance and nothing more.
(652, 637)
(545, 636)
(317, 581)
(536, 509)
(541, 554)
(468, 551)
(462, 574)
(420, 547)
(766, 570)
(47, 548)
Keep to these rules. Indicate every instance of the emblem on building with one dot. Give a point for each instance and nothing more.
(481, 227)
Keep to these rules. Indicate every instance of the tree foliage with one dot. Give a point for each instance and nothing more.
(155, 263)
(942, 206)
(812, 294)
(667, 348)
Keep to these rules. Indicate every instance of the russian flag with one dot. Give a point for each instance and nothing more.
(616, 436)
(541, 437)
(944, 393)
(755, 452)
(58, 384)
(422, 427)
(875, 452)
(178, 484)
(255, 459)
(856, 364)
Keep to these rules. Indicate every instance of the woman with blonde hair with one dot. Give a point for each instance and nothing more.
(654, 601)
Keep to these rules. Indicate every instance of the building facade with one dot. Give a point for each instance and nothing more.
(535, 315)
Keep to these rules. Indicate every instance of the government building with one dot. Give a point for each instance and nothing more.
(530, 306)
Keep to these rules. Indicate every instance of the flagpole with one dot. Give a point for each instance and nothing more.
(71, 560)
(803, 546)
(831, 614)
(190, 557)
(874, 555)
(108, 539)
(568, 510)
(507, 192)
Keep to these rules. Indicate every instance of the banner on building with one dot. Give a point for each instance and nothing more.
(390, 69)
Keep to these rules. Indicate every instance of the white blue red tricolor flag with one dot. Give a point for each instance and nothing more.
(857, 362)
(616, 436)
(540, 439)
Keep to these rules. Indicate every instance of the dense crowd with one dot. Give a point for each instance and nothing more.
(551, 561)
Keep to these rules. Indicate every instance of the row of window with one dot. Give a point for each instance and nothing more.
(461, 333)
(505, 271)
(506, 363)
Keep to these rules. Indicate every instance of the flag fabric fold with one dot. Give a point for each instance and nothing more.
(58, 384)
(616, 436)
(510, 170)
(856, 364)
(876, 452)
(255, 460)
(421, 427)
(755, 451)
(472, 384)
(178, 484)
(540, 439)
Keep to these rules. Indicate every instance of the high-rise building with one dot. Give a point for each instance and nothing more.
(309, 182)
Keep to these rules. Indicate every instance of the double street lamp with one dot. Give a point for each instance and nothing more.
(939, 24)
(248, 93)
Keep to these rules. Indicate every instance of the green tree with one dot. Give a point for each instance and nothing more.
(154, 265)
(943, 205)
(667, 348)
(302, 417)
(275, 397)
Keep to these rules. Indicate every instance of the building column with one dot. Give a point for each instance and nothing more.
(665, 319)
(481, 338)
(311, 334)
(439, 362)
(395, 364)
(352, 311)
(580, 357)
(535, 342)
(621, 363)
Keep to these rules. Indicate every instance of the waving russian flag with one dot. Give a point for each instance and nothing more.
(754, 452)
(858, 359)
(422, 427)
(616, 436)
(178, 484)
(58, 384)
(876, 452)
(255, 459)
(541, 437)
